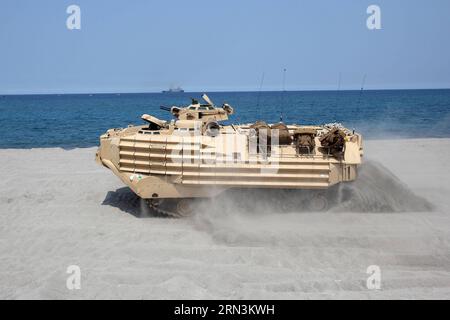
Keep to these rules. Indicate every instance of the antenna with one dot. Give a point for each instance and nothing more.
(363, 82)
(283, 93)
(259, 92)
(362, 89)
(338, 94)
(339, 81)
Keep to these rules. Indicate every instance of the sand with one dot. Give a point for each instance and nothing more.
(59, 208)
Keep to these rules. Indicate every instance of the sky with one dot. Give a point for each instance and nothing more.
(149, 45)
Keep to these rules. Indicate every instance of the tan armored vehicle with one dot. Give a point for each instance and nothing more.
(171, 163)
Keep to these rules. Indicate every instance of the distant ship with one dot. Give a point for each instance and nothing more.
(173, 90)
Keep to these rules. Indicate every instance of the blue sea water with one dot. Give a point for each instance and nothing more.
(69, 121)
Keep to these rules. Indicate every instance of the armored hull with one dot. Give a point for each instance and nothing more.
(194, 156)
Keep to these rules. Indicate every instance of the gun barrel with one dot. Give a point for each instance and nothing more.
(165, 108)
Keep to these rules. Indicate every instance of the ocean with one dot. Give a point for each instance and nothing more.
(77, 120)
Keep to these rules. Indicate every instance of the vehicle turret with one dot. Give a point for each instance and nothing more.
(203, 112)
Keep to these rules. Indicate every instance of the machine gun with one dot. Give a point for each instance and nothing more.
(165, 108)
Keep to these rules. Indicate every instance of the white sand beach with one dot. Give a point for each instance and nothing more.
(59, 208)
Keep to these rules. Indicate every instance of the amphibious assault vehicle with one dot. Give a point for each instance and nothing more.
(194, 155)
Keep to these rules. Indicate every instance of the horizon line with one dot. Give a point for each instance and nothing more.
(216, 91)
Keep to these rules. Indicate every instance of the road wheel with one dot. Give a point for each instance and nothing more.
(318, 203)
(185, 207)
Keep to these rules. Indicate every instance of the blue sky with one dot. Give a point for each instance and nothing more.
(146, 46)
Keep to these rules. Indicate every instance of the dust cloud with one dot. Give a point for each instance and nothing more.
(256, 217)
